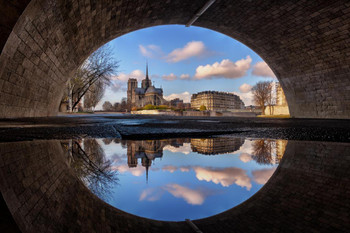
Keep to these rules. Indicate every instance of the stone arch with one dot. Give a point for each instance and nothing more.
(306, 43)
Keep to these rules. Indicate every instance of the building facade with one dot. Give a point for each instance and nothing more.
(280, 97)
(216, 101)
(280, 105)
(144, 95)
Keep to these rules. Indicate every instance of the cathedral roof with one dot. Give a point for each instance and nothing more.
(139, 91)
(151, 89)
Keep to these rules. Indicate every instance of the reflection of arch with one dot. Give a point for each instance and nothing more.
(289, 196)
(305, 44)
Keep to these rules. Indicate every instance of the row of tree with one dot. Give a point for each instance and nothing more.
(116, 107)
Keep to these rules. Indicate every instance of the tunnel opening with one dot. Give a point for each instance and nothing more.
(49, 46)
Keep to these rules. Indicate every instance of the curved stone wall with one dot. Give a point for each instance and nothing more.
(306, 43)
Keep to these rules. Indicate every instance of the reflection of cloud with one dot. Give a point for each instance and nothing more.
(245, 148)
(191, 49)
(262, 176)
(185, 96)
(224, 176)
(151, 194)
(169, 168)
(135, 171)
(225, 68)
(172, 169)
(263, 70)
(184, 169)
(245, 157)
(191, 196)
(185, 149)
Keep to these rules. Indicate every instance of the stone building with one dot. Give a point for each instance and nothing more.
(280, 106)
(146, 94)
(213, 146)
(216, 101)
(280, 97)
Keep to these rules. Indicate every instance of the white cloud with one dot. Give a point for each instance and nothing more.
(184, 76)
(225, 176)
(151, 51)
(191, 196)
(263, 70)
(138, 74)
(185, 96)
(185, 149)
(247, 98)
(225, 68)
(169, 77)
(244, 88)
(191, 49)
(262, 176)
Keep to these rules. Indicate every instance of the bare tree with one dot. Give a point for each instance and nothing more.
(94, 95)
(262, 94)
(99, 67)
(107, 106)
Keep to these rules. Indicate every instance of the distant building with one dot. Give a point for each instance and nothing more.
(216, 101)
(176, 103)
(144, 95)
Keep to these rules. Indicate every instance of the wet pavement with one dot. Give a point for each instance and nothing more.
(137, 127)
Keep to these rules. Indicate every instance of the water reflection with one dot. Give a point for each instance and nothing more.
(44, 195)
(175, 176)
(88, 160)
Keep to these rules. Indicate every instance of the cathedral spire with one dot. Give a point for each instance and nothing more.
(147, 70)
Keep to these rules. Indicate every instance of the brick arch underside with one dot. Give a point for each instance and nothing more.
(306, 43)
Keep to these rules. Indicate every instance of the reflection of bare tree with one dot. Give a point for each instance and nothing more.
(268, 151)
(88, 161)
(107, 141)
(262, 151)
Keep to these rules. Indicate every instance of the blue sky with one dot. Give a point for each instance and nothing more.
(184, 61)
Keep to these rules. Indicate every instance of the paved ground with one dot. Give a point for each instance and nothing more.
(136, 126)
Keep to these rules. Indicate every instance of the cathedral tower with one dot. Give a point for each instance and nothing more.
(132, 85)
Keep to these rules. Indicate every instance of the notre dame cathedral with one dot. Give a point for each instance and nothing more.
(147, 94)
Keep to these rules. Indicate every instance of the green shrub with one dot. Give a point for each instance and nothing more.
(149, 107)
(202, 108)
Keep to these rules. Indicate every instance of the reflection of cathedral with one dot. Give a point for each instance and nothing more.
(212, 146)
(147, 94)
(148, 150)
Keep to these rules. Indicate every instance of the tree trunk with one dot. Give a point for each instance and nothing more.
(70, 97)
